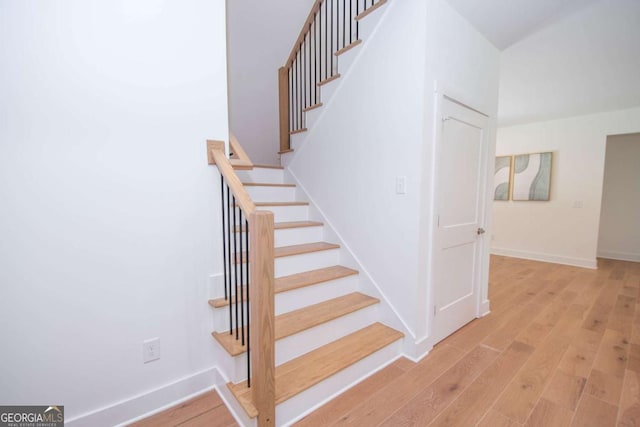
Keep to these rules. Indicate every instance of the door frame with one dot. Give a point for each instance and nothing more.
(482, 256)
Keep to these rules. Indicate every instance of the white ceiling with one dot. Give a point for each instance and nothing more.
(561, 58)
(505, 22)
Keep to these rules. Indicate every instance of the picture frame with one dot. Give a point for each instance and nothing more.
(502, 178)
(531, 179)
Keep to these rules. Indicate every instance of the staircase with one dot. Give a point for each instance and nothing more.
(327, 334)
(320, 333)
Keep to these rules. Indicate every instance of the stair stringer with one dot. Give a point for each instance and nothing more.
(368, 27)
(366, 284)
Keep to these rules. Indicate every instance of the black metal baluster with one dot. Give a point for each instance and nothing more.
(315, 59)
(350, 20)
(331, 49)
(298, 91)
(304, 77)
(239, 299)
(344, 23)
(357, 22)
(235, 250)
(224, 238)
(246, 238)
(229, 258)
(309, 66)
(326, 40)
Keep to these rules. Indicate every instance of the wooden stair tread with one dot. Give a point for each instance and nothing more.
(296, 224)
(370, 10)
(281, 203)
(312, 277)
(329, 80)
(348, 47)
(298, 280)
(305, 318)
(266, 184)
(267, 166)
(289, 224)
(283, 251)
(304, 248)
(291, 323)
(308, 370)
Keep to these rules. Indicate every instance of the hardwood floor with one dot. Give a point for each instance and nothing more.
(208, 409)
(561, 347)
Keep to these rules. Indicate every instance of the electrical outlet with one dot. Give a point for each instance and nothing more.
(150, 350)
(401, 185)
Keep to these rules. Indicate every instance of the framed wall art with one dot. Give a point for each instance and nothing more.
(532, 176)
(502, 178)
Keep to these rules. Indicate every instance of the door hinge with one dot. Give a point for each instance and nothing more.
(434, 310)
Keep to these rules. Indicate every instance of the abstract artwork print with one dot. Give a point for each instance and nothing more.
(532, 176)
(502, 178)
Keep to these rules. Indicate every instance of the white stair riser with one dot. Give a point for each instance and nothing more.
(312, 261)
(271, 194)
(298, 236)
(313, 294)
(293, 264)
(293, 409)
(369, 24)
(303, 342)
(262, 175)
(312, 117)
(295, 236)
(287, 213)
(295, 299)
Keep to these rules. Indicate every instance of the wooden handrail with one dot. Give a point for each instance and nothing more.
(240, 159)
(217, 157)
(303, 32)
(331, 29)
(261, 285)
(283, 107)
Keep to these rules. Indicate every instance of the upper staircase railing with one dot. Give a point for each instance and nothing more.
(331, 29)
(248, 258)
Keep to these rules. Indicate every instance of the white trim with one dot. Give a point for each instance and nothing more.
(536, 256)
(620, 256)
(150, 402)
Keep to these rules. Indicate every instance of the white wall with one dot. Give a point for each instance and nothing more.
(261, 35)
(586, 63)
(108, 217)
(378, 126)
(559, 230)
(464, 65)
(619, 236)
(371, 132)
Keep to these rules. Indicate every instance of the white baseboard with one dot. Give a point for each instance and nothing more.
(148, 403)
(620, 256)
(556, 259)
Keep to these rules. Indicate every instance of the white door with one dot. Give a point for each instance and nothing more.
(460, 189)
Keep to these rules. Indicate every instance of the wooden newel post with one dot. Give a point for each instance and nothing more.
(261, 252)
(283, 96)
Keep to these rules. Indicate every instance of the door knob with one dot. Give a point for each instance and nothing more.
(480, 231)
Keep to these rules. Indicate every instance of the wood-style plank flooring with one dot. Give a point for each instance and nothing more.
(208, 410)
(561, 347)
